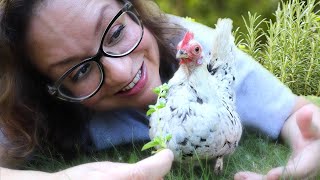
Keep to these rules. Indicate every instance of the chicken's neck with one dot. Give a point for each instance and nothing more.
(189, 74)
(189, 67)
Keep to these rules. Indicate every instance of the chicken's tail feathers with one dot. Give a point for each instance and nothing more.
(222, 61)
(224, 26)
(224, 40)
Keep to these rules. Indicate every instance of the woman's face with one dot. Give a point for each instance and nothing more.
(63, 33)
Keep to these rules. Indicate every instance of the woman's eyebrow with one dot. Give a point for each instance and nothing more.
(65, 62)
(97, 29)
(99, 21)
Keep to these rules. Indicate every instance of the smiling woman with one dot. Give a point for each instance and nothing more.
(113, 57)
(75, 51)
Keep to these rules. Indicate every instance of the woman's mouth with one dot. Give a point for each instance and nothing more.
(134, 82)
(137, 84)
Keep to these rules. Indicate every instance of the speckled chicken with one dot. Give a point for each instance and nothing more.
(200, 109)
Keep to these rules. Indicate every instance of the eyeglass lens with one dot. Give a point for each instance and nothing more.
(83, 80)
(123, 36)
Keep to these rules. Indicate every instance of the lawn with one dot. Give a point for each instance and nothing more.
(255, 153)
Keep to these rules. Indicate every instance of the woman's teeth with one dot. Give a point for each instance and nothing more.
(133, 83)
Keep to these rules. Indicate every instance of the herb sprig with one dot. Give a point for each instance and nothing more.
(161, 91)
(158, 142)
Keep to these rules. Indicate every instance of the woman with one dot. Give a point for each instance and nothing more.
(102, 62)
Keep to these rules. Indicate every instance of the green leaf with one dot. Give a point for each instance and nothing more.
(163, 94)
(157, 141)
(190, 19)
(243, 47)
(149, 145)
(165, 86)
(157, 90)
(161, 105)
(150, 111)
(168, 137)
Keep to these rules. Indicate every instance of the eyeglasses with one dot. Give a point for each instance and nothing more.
(122, 36)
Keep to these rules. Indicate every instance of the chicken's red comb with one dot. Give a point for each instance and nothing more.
(187, 37)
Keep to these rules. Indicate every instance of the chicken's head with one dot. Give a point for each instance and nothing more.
(189, 50)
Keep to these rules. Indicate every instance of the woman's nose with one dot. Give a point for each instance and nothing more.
(117, 71)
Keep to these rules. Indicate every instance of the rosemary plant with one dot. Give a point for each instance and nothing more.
(291, 50)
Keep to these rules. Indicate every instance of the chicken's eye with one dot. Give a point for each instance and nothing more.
(197, 50)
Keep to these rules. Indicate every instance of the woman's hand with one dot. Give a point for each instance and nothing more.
(304, 162)
(302, 132)
(153, 168)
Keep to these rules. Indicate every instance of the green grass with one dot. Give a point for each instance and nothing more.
(255, 153)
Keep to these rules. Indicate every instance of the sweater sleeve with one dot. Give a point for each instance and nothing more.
(117, 127)
(262, 101)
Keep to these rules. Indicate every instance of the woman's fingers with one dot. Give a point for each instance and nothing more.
(247, 175)
(304, 165)
(154, 167)
(307, 119)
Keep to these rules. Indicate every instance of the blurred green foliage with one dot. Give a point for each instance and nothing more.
(281, 35)
(208, 11)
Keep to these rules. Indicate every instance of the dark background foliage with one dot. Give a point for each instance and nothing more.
(208, 11)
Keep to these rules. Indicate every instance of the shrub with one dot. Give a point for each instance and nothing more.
(290, 46)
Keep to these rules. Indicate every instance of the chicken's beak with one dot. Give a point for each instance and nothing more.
(182, 54)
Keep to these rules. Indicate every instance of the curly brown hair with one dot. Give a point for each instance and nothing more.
(28, 115)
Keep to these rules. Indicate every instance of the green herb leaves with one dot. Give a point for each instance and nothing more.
(159, 142)
(161, 91)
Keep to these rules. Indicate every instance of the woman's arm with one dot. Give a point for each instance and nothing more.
(154, 167)
(20, 174)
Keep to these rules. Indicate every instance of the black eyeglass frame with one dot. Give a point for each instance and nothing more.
(54, 89)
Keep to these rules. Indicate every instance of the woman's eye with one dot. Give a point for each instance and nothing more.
(81, 72)
(115, 36)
